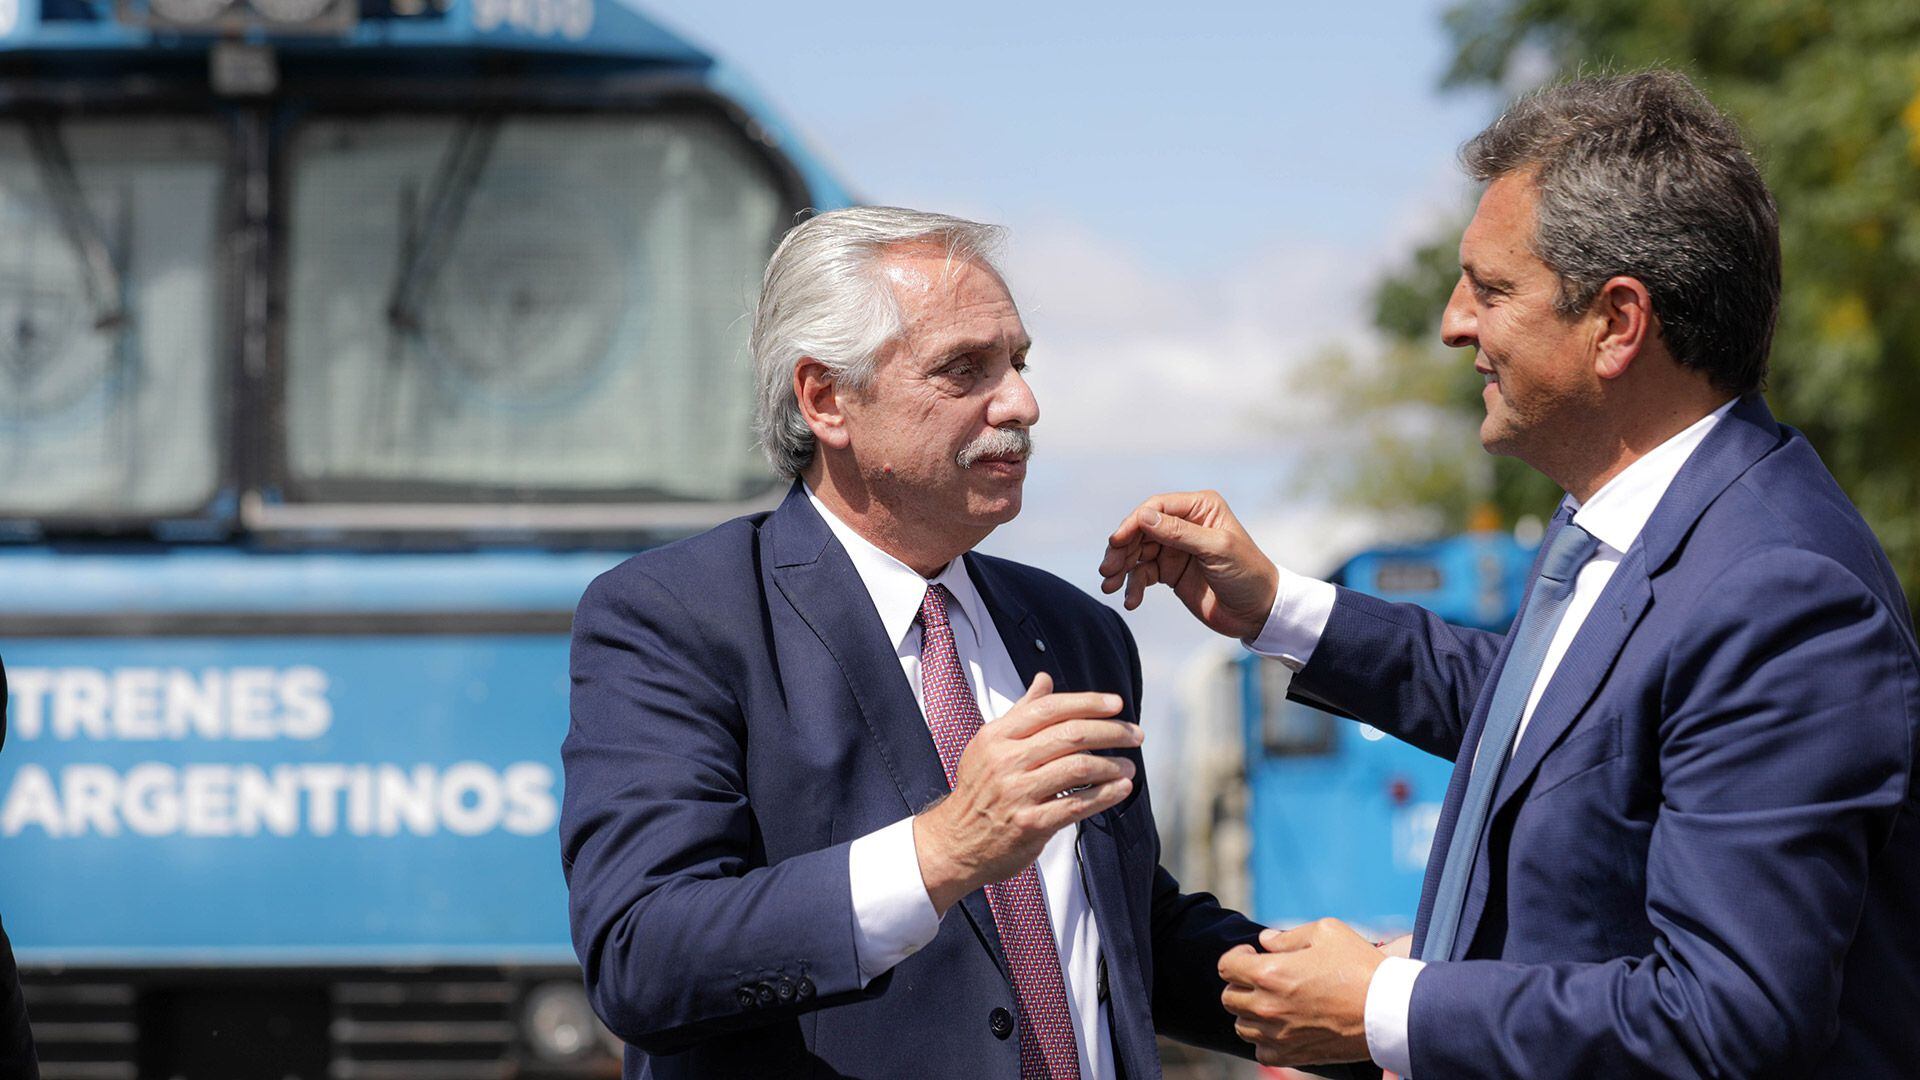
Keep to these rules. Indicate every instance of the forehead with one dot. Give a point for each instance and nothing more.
(946, 299)
(1502, 227)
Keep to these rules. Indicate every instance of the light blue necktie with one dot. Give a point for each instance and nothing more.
(1571, 547)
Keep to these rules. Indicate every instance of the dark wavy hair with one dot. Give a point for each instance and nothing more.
(1639, 175)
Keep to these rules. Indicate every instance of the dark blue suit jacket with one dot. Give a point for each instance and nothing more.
(1704, 858)
(16, 1041)
(739, 717)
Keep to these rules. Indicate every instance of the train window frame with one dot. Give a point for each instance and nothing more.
(1289, 729)
(277, 504)
(214, 517)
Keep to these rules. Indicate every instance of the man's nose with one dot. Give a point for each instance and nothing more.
(1013, 403)
(1457, 325)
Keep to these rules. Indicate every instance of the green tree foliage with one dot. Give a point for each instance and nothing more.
(1828, 93)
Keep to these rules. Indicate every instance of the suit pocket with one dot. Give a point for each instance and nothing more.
(1594, 744)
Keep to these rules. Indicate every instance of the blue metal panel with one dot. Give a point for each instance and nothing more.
(197, 580)
(827, 191)
(1474, 580)
(294, 801)
(1346, 832)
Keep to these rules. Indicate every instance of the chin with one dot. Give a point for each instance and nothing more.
(998, 511)
(1496, 434)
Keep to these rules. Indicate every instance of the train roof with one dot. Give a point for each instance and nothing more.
(606, 29)
(432, 46)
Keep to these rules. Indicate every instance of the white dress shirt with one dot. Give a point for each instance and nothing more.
(1615, 516)
(893, 917)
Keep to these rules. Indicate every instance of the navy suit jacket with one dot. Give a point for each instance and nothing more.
(16, 1041)
(1704, 857)
(739, 717)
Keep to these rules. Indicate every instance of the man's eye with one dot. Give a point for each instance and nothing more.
(963, 369)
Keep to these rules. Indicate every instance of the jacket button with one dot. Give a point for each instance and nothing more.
(803, 990)
(745, 997)
(1000, 1021)
(784, 991)
(764, 993)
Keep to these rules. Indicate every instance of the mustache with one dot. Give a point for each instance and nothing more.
(1006, 442)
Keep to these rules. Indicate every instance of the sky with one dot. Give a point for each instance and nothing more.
(1199, 198)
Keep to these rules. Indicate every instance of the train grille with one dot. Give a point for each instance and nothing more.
(429, 1029)
(347, 1025)
(84, 1030)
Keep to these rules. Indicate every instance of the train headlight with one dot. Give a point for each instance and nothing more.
(292, 12)
(279, 17)
(559, 1024)
(190, 12)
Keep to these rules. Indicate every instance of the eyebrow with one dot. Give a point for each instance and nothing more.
(954, 350)
(1486, 281)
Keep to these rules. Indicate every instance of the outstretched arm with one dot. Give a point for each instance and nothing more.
(1395, 666)
(1785, 758)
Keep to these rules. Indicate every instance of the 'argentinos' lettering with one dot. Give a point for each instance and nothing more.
(153, 799)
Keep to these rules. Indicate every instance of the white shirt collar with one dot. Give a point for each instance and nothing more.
(898, 589)
(1620, 509)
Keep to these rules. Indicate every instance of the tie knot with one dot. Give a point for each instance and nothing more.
(1572, 546)
(933, 608)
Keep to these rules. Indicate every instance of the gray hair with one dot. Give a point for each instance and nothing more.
(1640, 176)
(824, 297)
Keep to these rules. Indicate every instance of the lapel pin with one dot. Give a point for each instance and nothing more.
(1038, 644)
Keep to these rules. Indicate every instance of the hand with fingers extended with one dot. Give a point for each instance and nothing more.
(1023, 778)
(1191, 542)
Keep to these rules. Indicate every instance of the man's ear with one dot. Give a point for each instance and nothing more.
(1627, 324)
(818, 394)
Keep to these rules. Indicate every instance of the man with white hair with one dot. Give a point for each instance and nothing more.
(844, 798)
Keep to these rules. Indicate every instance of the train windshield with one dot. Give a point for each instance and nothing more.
(110, 401)
(526, 306)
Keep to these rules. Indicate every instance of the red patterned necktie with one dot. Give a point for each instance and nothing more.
(1047, 1047)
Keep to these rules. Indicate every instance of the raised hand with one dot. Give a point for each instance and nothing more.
(1007, 799)
(1191, 542)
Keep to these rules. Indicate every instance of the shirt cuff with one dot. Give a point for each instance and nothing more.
(1301, 608)
(1389, 997)
(893, 917)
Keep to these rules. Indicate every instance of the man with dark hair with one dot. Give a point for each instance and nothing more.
(16, 1040)
(1680, 838)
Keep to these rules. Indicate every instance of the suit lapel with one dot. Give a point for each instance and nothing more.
(1019, 631)
(1588, 659)
(813, 572)
(1743, 436)
(1462, 768)
(1027, 649)
(1129, 999)
(1581, 671)
(1747, 433)
(1034, 650)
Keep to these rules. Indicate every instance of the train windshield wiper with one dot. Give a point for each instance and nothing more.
(424, 248)
(77, 222)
